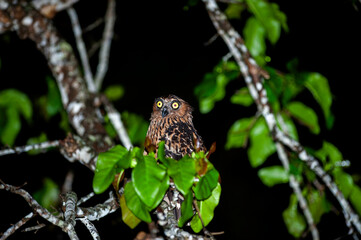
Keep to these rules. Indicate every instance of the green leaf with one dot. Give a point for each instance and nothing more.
(13, 103)
(238, 133)
(135, 204)
(242, 97)
(272, 96)
(150, 181)
(127, 216)
(268, 15)
(294, 221)
(34, 140)
(233, 11)
(212, 87)
(182, 172)
(18, 100)
(48, 195)
(186, 209)
(108, 164)
(273, 175)
(318, 205)
(161, 153)
(344, 182)
(114, 92)
(305, 115)
(53, 103)
(12, 126)
(355, 198)
(136, 127)
(206, 184)
(261, 146)
(206, 210)
(329, 155)
(254, 36)
(320, 89)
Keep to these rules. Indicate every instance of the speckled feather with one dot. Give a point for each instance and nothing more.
(175, 128)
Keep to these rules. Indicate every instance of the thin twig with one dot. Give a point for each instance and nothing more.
(34, 228)
(43, 212)
(93, 25)
(68, 182)
(81, 48)
(294, 184)
(27, 148)
(16, 226)
(115, 119)
(105, 47)
(85, 198)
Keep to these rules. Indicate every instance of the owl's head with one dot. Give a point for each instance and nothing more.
(171, 107)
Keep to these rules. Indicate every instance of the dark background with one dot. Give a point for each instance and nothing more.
(158, 49)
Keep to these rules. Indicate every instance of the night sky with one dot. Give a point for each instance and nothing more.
(159, 48)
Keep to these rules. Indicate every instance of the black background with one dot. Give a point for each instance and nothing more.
(158, 49)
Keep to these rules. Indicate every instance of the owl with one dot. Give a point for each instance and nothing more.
(171, 121)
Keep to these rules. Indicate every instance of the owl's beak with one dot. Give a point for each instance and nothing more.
(165, 112)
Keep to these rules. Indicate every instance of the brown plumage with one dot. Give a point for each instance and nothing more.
(171, 121)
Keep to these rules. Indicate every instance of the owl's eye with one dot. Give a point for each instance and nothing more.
(175, 105)
(159, 104)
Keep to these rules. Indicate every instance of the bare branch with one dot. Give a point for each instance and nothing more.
(81, 49)
(90, 226)
(94, 25)
(27, 148)
(115, 119)
(74, 148)
(68, 183)
(294, 184)
(105, 47)
(76, 99)
(100, 210)
(70, 204)
(85, 198)
(34, 228)
(43, 212)
(16, 226)
(254, 77)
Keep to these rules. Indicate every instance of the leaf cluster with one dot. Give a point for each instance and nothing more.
(194, 177)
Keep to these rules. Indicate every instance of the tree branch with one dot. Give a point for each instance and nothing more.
(116, 121)
(81, 49)
(295, 185)
(27, 148)
(254, 77)
(105, 47)
(44, 213)
(16, 226)
(90, 226)
(77, 101)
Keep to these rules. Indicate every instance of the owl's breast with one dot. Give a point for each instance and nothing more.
(179, 136)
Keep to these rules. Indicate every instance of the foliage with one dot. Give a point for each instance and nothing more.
(48, 195)
(283, 91)
(13, 104)
(150, 179)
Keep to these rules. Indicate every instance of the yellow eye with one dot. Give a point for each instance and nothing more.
(159, 104)
(175, 105)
